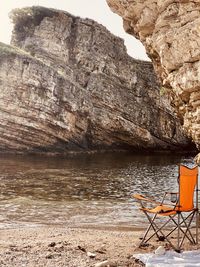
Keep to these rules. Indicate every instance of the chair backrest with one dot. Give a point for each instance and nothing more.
(188, 180)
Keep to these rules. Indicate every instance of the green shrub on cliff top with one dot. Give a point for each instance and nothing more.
(20, 13)
(23, 17)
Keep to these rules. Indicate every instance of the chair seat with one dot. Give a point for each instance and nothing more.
(161, 210)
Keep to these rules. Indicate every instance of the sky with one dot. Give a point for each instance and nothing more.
(97, 10)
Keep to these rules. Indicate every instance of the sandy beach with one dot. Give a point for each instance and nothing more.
(71, 247)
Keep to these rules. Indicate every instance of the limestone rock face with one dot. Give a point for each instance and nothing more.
(70, 85)
(170, 31)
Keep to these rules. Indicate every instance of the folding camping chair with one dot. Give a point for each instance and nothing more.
(181, 214)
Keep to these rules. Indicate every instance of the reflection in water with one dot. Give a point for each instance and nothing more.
(84, 189)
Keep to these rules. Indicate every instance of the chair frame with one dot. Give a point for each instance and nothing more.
(181, 220)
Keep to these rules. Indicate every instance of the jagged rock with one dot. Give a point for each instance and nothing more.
(72, 86)
(170, 32)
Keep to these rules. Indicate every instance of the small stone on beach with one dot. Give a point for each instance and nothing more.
(52, 244)
(91, 255)
(82, 249)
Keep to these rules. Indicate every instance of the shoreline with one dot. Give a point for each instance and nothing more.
(88, 152)
(73, 246)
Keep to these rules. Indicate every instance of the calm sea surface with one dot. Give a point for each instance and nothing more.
(82, 190)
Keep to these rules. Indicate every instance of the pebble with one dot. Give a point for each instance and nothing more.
(91, 255)
(50, 256)
(160, 250)
(82, 249)
(52, 244)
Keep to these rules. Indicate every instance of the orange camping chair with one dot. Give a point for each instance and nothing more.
(181, 214)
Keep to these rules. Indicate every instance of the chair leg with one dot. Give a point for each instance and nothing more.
(197, 226)
(188, 226)
(178, 237)
(191, 239)
(188, 229)
(156, 230)
(159, 230)
(148, 229)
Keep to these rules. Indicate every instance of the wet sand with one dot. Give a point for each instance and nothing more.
(71, 247)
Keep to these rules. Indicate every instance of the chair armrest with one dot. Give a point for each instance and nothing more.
(143, 198)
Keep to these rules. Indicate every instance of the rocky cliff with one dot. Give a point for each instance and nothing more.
(70, 85)
(170, 32)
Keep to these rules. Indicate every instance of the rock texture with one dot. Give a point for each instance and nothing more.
(170, 32)
(70, 85)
